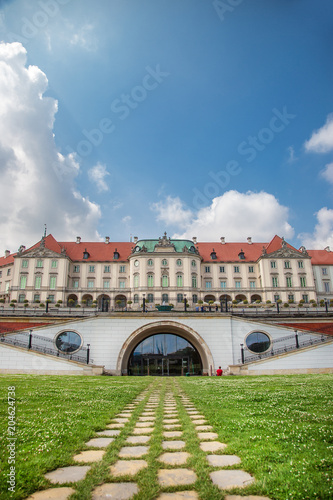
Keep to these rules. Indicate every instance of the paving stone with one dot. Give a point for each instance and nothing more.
(115, 426)
(171, 434)
(68, 474)
(176, 477)
(52, 494)
(123, 415)
(115, 491)
(203, 427)
(179, 495)
(143, 430)
(127, 411)
(212, 446)
(196, 417)
(223, 460)
(148, 413)
(193, 412)
(171, 426)
(101, 442)
(151, 418)
(138, 439)
(173, 445)
(207, 435)
(199, 422)
(127, 467)
(108, 432)
(248, 497)
(170, 420)
(144, 424)
(120, 420)
(227, 479)
(133, 451)
(175, 458)
(89, 456)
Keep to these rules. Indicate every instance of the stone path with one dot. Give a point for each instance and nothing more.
(164, 417)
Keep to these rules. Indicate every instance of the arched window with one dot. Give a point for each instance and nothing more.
(179, 298)
(194, 281)
(136, 298)
(136, 280)
(165, 298)
(150, 298)
(179, 262)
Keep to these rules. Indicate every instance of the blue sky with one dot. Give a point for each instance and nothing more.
(202, 118)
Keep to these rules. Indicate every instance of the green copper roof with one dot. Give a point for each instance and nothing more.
(178, 244)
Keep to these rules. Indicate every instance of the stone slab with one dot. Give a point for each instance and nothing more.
(203, 427)
(138, 439)
(247, 497)
(196, 417)
(175, 477)
(120, 420)
(223, 460)
(147, 419)
(115, 491)
(207, 435)
(52, 494)
(173, 445)
(124, 415)
(127, 467)
(212, 446)
(108, 432)
(70, 474)
(199, 422)
(227, 479)
(171, 434)
(133, 451)
(179, 495)
(89, 456)
(175, 458)
(143, 430)
(170, 421)
(171, 426)
(101, 442)
(115, 426)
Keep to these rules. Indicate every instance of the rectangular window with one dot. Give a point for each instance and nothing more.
(36, 297)
(106, 284)
(38, 282)
(51, 298)
(53, 282)
(236, 269)
(75, 283)
(121, 284)
(179, 298)
(273, 264)
(54, 264)
(327, 286)
(194, 299)
(300, 264)
(275, 282)
(23, 282)
(303, 281)
(165, 281)
(91, 284)
(106, 269)
(305, 298)
(91, 269)
(286, 264)
(21, 298)
(207, 269)
(289, 282)
(136, 281)
(150, 280)
(122, 269)
(251, 269)
(76, 269)
(136, 298)
(223, 284)
(39, 263)
(7, 287)
(324, 271)
(24, 263)
(291, 298)
(150, 298)
(8, 272)
(208, 285)
(222, 269)
(276, 298)
(179, 280)
(194, 282)
(252, 284)
(237, 284)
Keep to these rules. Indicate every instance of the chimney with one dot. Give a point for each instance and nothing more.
(194, 239)
(249, 240)
(222, 240)
(78, 239)
(107, 239)
(7, 253)
(327, 249)
(135, 240)
(21, 249)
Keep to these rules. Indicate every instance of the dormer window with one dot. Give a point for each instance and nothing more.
(241, 255)
(213, 255)
(86, 254)
(116, 255)
(192, 249)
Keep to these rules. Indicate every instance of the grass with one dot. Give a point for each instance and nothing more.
(280, 426)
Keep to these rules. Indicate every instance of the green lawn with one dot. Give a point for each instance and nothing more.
(280, 426)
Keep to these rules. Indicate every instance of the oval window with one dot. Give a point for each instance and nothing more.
(68, 342)
(258, 342)
(164, 262)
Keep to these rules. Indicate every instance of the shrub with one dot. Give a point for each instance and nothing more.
(258, 301)
(268, 301)
(322, 303)
(286, 304)
(245, 301)
(41, 304)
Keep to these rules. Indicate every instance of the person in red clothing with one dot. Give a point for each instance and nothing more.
(219, 372)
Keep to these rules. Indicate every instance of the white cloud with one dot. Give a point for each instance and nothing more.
(323, 232)
(292, 158)
(84, 38)
(37, 182)
(321, 140)
(97, 175)
(328, 173)
(126, 219)
(172, 211)
(237, 215)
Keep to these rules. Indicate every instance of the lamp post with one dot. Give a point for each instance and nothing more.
(30, 339)
(88, 353)
(144, 303)
(242, 353)
(296, 339)
(47, 304)
(185, 305)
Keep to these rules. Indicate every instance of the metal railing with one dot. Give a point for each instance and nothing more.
(34, 342)
(283, 345)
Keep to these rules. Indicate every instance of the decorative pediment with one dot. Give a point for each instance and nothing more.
(164, 244)
(285, 253)
(41, 253)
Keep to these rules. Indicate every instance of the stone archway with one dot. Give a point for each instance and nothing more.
(166, 327)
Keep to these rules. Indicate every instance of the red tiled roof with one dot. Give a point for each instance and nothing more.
(276, 244)
(228, 252)
(50, 243)
(4, 261)
(324, 328)
(321, 257)
(98, 251)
